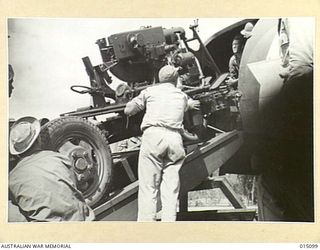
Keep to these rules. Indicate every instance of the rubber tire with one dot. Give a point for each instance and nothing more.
(56, 132)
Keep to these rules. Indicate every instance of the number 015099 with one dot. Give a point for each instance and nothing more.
(309, 246)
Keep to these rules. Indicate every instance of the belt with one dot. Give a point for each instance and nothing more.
(176, 130)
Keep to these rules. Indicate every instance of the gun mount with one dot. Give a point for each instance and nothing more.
(135, 58)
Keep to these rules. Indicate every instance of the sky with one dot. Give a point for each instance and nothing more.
(46, 55)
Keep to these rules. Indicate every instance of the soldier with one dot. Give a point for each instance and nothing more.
(234, 62)
(162, 152)
(42, 184)
(285, 187)
(232, 81)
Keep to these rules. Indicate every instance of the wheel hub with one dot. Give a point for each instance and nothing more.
(80, 159)
(81, 164)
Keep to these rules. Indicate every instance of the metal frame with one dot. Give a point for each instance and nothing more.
(123, 204)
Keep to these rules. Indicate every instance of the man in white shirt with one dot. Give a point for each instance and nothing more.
(161, 153)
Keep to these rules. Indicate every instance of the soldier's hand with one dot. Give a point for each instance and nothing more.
(187, 136)
(297, 71)
(194, 104)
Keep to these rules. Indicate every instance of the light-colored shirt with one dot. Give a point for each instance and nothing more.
(297, 51)
(284, 41)
(165, 106)
(43, 186)
(14, 214)
(301, 36)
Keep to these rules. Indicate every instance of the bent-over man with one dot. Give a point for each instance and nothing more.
(42, 184)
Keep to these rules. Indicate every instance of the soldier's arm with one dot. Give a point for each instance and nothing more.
(136, 105)
(300, 47)
(187, 136)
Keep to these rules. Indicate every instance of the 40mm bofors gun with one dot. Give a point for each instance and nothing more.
(135, 58)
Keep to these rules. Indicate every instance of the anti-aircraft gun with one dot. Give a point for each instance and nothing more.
(135, 58)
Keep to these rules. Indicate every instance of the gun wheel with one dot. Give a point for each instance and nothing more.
(89, 152)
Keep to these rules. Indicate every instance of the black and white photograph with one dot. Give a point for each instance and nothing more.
(161, 119)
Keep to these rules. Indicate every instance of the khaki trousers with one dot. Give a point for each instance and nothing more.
(160, 159)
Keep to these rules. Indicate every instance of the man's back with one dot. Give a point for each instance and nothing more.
(43, 185)
(165, 106)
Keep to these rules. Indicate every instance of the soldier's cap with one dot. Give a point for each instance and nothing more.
(168, 73)
(23, 134)
(247, 31)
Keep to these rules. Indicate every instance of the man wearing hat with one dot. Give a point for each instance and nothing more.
(42, 185)
(161, 153)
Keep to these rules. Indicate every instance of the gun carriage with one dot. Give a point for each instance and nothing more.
(134, 59)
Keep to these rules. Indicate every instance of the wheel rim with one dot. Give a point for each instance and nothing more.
(87, 163)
